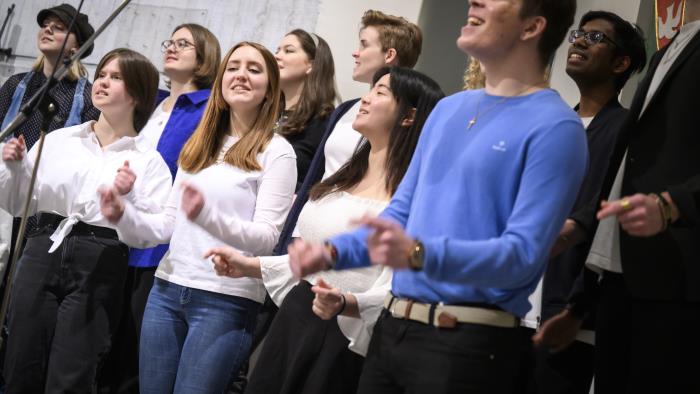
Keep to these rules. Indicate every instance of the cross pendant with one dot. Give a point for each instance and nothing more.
(471, 123)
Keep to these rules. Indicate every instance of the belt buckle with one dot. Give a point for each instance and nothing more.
(446, 320)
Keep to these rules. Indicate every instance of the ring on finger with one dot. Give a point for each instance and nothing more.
(625, 204)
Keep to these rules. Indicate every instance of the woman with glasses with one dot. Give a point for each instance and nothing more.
(307, 80)
(190, 59)
(197, 326)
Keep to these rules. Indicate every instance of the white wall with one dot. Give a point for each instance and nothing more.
(144, 24)
(338, 23)
(627, 9)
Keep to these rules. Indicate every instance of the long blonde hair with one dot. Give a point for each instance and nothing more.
(202, 149)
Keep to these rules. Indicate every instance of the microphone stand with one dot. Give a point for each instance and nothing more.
(42, 102)
(6, 51)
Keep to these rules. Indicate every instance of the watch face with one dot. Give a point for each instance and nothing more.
(416, 260)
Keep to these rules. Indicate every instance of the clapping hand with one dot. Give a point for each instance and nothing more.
(192, 201)
(124, 181)
(14, 149)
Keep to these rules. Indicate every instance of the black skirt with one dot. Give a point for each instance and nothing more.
(304, 354)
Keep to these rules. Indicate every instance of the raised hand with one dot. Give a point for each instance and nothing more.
(124, 181)
(639, 215)
(229, 262)
(558, 332)
(306, 258)
(192, 201)
(329, 302)
(111, 204)
(14, 149)
(388, 244)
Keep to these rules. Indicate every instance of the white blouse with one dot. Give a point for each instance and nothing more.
(318, 221)
(242, 209)
(73, 166)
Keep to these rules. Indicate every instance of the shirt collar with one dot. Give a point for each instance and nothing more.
(691, 27)
(198, 96)
(85, 131)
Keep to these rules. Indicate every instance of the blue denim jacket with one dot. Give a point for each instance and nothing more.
(183, 120)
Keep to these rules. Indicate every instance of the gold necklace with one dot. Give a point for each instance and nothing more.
(473, 120)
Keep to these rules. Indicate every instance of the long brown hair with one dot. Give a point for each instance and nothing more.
(140, 79)
(202, 149)
(412, 90)
(319, 92)
(208, 53)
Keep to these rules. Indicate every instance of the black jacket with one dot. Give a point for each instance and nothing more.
(313, 175)
(562, 271)
(664, 155)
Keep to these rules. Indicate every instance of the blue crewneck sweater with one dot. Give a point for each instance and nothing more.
(486, 202)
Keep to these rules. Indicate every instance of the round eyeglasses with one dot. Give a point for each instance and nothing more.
(591, 37)
(180, 45)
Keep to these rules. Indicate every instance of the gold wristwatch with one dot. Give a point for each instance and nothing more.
(417, 256)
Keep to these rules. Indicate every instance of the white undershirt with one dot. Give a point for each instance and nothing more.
(245, 210)
(342, 142)
(151, 132)
(73, 166)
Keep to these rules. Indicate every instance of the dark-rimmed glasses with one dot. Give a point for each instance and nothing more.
(180, 45)
(591, 37)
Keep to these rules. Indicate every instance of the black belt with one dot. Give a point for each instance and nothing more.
(52, 220)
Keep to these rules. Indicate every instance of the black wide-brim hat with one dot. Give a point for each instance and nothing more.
(81, 27)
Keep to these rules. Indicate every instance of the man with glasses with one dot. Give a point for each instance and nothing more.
(605, 51)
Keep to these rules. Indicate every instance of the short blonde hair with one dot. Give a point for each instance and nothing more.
(75, 72)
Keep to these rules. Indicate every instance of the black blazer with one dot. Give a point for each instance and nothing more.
(664, 155)
(313, 175)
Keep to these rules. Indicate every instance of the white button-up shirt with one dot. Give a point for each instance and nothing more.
(72, 167)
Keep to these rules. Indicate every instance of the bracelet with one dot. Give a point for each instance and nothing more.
(667, 209)
(342, 308)
(664, 219)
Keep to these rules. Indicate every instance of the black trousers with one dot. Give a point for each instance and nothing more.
(569, 371)
(120, 370)
(304, 354)
(644, 346)
(410, 357)
(64, 307)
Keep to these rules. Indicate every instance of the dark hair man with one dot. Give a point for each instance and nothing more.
(605, 51)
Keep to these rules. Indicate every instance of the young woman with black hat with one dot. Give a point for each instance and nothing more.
(71, 95)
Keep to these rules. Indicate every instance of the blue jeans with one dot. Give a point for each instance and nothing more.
(193, 341)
